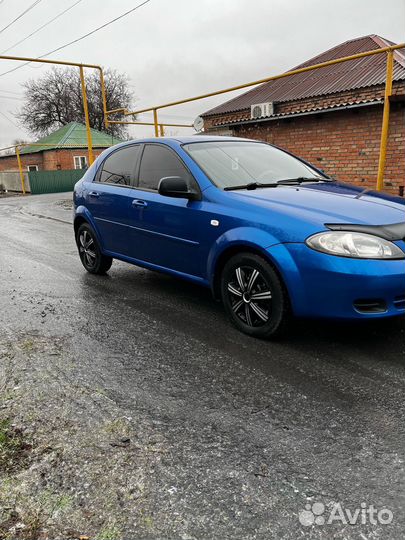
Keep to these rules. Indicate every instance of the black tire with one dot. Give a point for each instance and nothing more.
(89, 251)
(254, 297)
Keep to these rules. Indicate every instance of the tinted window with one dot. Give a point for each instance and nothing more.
(158, 162)
(119, 168)
(236, 163)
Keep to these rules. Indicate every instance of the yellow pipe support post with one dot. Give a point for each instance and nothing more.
(147, 124)
(48, 61)
(17, 151)
(114, 111)
(162, 130)
(86, 116)
(385, 121)
(85, 105)
(104, 98)
(388, 90)
(155, 122)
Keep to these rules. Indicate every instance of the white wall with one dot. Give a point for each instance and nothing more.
(10, 181)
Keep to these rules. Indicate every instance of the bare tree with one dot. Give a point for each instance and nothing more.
(56, 99)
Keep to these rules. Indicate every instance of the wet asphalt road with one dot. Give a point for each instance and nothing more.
(252, 431)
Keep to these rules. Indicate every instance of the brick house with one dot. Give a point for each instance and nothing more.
(56, 157)
(331, 116)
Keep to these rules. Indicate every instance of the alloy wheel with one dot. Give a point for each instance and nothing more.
(87, 249)
(250, 296)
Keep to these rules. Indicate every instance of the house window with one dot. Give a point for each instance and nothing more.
(80, 162)
(31, 168)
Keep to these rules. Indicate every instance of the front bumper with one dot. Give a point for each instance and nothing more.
(322, 285)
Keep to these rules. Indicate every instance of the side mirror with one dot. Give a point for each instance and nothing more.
(175, 186)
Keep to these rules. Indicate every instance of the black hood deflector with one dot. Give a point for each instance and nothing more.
(396, 231)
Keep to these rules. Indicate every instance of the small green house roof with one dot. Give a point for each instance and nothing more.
(73, 135)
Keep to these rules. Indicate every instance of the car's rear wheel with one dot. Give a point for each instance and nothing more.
(90, 253)
(254, 297)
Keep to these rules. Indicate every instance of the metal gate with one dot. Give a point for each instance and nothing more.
(54, 181)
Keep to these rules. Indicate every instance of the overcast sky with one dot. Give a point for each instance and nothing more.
(180, 48)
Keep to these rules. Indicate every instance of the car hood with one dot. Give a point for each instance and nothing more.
(329, 202)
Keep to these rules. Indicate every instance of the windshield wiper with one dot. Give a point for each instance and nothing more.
(282, 182)
(251, 185)
(301, 179)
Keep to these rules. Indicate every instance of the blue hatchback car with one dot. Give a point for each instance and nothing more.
(270, 234)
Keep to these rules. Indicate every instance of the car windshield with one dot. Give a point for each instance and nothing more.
(232, 164)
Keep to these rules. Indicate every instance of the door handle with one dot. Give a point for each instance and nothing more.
(139, 203)
(94, 194)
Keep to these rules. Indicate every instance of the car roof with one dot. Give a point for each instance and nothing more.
(206, 138)
(188, 139)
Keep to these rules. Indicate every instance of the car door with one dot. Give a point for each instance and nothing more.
(166, 231)
(109, 198)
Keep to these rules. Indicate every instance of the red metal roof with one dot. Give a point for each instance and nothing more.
(360, 73)
(243, 116)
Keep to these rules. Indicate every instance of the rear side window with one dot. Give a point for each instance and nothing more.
(119, 167)
(158, 162)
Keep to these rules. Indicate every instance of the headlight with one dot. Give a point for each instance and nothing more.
(356, 245)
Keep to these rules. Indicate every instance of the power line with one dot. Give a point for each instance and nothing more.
(41, 27)
(80, 38)
(21, 15)
(96, 29)
(9, 119)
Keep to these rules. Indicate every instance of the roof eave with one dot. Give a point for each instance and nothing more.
(78, 147)
(297, 114)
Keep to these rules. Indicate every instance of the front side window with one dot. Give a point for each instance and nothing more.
(119, 167)
(32, 168)
(157, 163)
(80, 162)
(237, 163)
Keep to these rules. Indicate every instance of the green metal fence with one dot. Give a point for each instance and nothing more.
(54, 181)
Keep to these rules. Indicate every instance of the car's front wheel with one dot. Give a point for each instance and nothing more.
(254, 297)
(90, 253)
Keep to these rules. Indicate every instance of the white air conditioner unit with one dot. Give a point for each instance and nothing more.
(259, 110)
